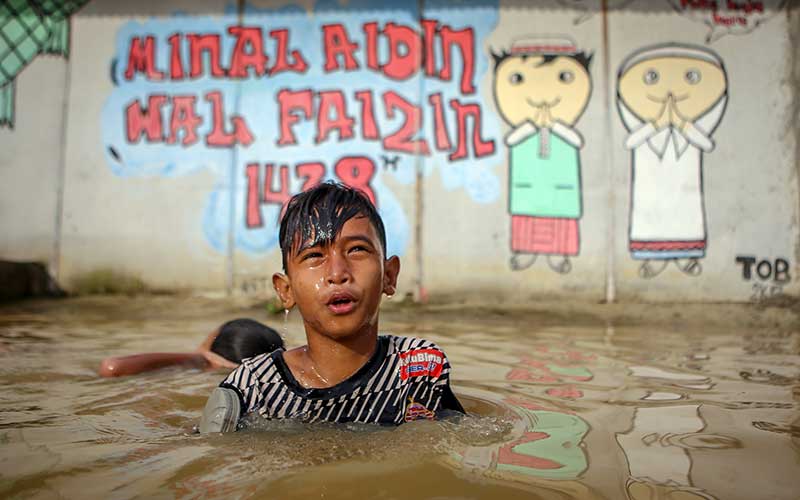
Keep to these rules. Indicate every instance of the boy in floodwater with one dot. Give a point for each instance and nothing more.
(336, 269)
(225, 347)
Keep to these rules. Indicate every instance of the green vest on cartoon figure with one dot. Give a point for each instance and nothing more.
(545, 185)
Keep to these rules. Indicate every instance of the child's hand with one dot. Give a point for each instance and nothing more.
(213, 359)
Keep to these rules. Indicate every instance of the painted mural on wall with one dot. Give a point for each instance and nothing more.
(766, 276)
(288, 98)
(671, 98)
(588, 8)
(29, 28)
(728, 17)
(541, 87)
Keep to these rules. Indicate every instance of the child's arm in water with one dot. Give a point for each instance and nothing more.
(138, 363)
(202, 358)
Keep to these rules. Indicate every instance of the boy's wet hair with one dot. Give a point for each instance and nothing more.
(316, 217)
(244, 338)
(581, 57)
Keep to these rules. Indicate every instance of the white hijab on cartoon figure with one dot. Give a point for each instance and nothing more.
(671, 99)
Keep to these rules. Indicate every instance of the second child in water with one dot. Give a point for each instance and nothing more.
(336, 270)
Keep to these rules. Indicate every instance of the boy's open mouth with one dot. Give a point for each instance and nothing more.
(341, 303)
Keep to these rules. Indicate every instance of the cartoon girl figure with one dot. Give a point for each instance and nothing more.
(671, 98)
(541, 88)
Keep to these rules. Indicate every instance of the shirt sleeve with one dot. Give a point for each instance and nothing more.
(245, 384)
(445, 400)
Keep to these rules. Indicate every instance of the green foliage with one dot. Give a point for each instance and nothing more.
(108, 282)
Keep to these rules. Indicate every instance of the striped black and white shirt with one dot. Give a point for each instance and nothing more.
(405, 379)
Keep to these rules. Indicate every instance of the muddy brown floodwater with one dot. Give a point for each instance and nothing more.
(592, 403)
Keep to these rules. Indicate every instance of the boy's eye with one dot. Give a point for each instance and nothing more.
(310, 255)
(566, 76)
(358, 248)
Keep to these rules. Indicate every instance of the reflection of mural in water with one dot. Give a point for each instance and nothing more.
(29, 28)
(550, 447)
(554, 365)
(657, 449)
(657, 446)
(671, 98)
(541, 88)
(273, 101)
(544, 444)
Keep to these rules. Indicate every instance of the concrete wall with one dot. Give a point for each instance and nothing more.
(135, 171)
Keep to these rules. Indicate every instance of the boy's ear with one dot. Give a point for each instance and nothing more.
(391, 269)
(283, 287)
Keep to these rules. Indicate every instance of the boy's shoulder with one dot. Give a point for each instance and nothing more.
(403, 345)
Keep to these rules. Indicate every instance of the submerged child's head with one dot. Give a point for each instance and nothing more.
(244, 338)
(333, 245)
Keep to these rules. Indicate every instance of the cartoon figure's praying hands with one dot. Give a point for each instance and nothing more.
(671, 115)
(670, 98)
(542, 117)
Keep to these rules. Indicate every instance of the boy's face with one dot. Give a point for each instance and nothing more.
(338, 286)
(693, 85)
(528, 89)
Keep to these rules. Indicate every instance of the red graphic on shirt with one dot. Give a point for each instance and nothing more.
(416, 411)
(421, 363)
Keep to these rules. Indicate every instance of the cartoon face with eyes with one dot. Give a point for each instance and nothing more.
(542, 88)
(672, 90)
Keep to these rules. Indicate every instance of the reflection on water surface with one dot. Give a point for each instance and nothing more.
(564, 411)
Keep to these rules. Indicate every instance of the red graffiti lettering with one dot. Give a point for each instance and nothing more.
(175, 62)
(371, 32)
(198, 45)
(280, 195)
(281, 55)
(357, 172)
(369, 130)
(142, 59)
(288, 101)
(252, 210)
(404, 51)
(336, 43)
(439, 125)
(333, 101)
(312, 172)
(185, 118)
(248, 52)
(480, 146)
(465, 40)
(402, 139)
(429, 30)
(218, 137)
(147, 121)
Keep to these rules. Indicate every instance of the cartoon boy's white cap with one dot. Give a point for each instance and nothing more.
(544, 45)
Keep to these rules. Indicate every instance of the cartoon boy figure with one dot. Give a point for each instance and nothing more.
(671, 98)
(541, 88)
